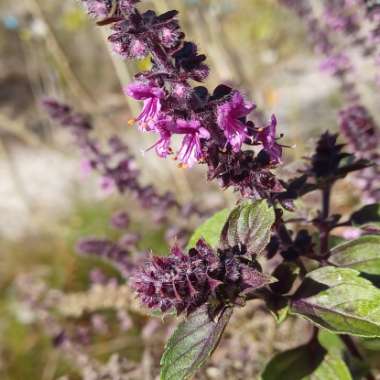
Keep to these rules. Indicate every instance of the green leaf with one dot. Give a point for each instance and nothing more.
(308, 362)
(210, 230)
(331, 342)
(285, 273)
(249, 224)
(339, 300)
(332, 368)
(192, 343)
(369, 214)
(280, 314)
(371, 344)
(294, 364)
(362, 254)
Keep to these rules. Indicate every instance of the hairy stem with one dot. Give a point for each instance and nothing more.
(324, 228)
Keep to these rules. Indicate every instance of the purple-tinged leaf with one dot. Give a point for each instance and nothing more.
(362, 254)
(250, 225)
(192, 343)
(340, 300)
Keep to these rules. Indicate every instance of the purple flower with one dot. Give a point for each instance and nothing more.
(151, 95)
(120, 220)
(336, 64)
(128, 47)
(108, 251)
(129, 240)
(107, 185)
(267, 137)
(126, 6)
(132, 35)
(190, 151)
(164, 127)
(230, 116)
(170, 34)
(98, 8)
(86, 167)
(105, 8)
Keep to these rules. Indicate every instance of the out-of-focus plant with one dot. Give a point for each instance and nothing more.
(255, 252)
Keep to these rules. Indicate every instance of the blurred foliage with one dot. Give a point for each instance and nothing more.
(50, 47)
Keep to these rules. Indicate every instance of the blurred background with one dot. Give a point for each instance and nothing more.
(52, 48)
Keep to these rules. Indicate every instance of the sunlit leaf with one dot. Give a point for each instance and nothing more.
(340, 300)
(249, 224)
(210, 230)
(362, 254)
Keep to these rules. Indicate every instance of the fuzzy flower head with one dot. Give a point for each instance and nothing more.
(186, 281)
(267, 137)
(179, 281)
(151, 95)
(190, 151)
(107, 8)
(98, 8)
(230, 117)
(127, 44)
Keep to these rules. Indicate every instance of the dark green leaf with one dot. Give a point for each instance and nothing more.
(308, 362)
(339, 300)
(279, 311)
(294, 364)
(362, 254)
(210, 230)
(286, 273)
(371, 344)
(192, 343)
(369, 214)
(249, 224)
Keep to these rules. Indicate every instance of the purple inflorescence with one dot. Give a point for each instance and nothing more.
(108, 251)
(212, 127)
(117, 165)
(358, 25)
(109, 8)
(359, 128)
(186, 281)
(363, 136)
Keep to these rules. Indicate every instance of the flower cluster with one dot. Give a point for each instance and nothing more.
(363, 136)
(373, 8)
(109, 251)
(186, 281)
(360, 129)
(342, 23)
(211, 128)
(117, 166)
(350, 19)
(327, 157)
(109, 8)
